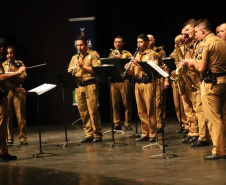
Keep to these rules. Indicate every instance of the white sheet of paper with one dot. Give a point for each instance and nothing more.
(43, 88)
(157, 68)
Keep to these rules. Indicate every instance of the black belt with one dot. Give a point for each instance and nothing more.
(210, 77)
(86, 83)
(144, 79)
(219, 74)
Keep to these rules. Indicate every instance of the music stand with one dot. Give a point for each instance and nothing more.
(67, 80)
(108, 73)
(154, 70)
(170, 63)
(37, 92)
(119, 64)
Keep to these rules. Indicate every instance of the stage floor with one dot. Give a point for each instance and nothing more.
(127, 162)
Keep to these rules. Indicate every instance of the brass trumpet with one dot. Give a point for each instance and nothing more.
(115, 52)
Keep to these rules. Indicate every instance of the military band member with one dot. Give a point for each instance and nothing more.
(16, 98)
(178, 103)
(222, 31)
(4, 88)
(121, 92)
(189, 97)
(86, 94)
(217, 30)
(160, 95)
(144, 89)
(210, 61)
(198, 132)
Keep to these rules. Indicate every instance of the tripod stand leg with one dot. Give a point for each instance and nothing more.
(41, 154)
(163, 156)
(154, 144)
(136, 135)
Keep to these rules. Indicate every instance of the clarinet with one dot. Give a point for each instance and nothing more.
(130, 63)
(73, 72)
(8, 65)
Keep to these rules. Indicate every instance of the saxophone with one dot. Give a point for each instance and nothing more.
(187, 77)
(174, 76)
(182, 76)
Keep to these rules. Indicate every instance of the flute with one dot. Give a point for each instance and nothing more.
(73, 72)
(130, 63)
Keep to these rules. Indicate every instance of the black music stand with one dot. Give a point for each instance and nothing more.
(120, 64)
(151, 71)
(36, 92)
(67, 81)
(170, 63)
(109, 74)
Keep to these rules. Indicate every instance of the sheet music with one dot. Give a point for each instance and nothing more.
(43, 88)
(157, 68)
(107, 65)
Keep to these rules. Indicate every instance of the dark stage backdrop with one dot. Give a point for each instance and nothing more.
(40, 32)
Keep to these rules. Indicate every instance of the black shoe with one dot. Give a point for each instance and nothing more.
(214, 157)
(118, 127)
(128, 127)
(186, 140)
(3, 160)
(193, 139)
(152, 139)
(7, 157)
(200, 143)
(159, 130)
(179, 131)
(23, 143)
(10, 142)
(97, 139)
(185, 131)
(86, 140)
(142, 139)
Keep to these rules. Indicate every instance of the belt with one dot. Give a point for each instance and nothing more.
(219, 74)
(144, 79)
(86, 83)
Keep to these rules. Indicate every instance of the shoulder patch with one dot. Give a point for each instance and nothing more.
(199, 57)
(155, 56)
(200, 49)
